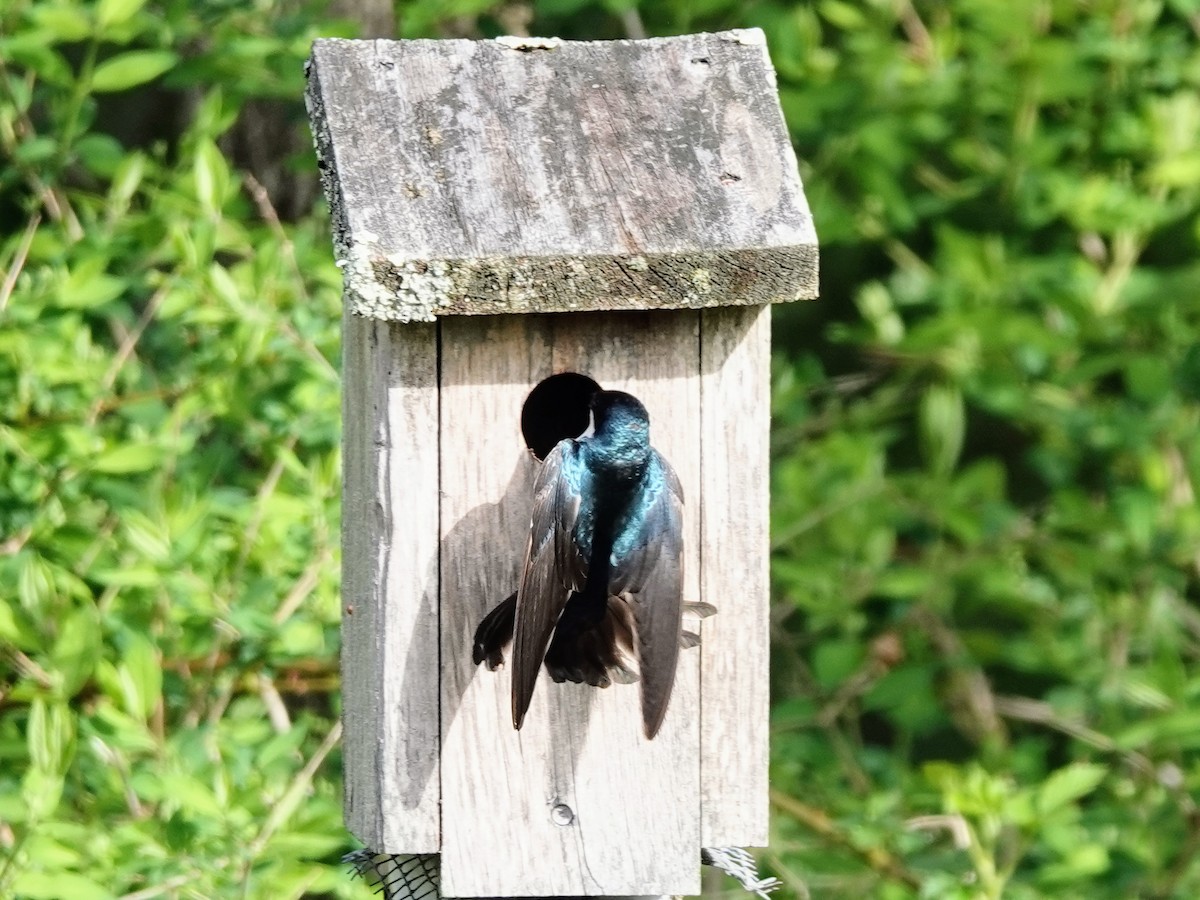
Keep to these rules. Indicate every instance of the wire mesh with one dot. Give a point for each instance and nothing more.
(738, 863)
(418, 877)
(398, 876)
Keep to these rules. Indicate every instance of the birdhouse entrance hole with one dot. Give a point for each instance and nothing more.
(557, 408)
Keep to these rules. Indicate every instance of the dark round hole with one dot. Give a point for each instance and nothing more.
(557, 408)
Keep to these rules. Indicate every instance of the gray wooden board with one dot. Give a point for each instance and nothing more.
(634, 804)
(390, 584)
(473, 177)
(735, 361)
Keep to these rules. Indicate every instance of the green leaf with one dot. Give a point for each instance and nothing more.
(41, 791)
(148, 537)
(51, 735)
(86, 288)
(1181, 727)
(140, 674)
(10, 632)
(116, 12)
(301, 638)
(844, 15)
(305, 845)
(1082, 862)
(32, 50)
(1069, 784)
(101, 153)
(211, 173)
(36, 150)
(35, 583)
(116, 729)
(904, 581)
(125, 182)
(129, 458)
(835, 661)
(130, 69)
(1182, 171)
(55, 854)
(192, 795)
(56, 885)
(61, 23)
(943, 425)
(223, 286)
(77, 649)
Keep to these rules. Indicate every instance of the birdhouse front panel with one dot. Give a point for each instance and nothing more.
(578, 801)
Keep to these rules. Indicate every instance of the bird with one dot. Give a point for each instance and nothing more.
(601, 587)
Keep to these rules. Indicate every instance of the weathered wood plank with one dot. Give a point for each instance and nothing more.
(577, 802)
(480, 177)
(390, 584)
(735, 356)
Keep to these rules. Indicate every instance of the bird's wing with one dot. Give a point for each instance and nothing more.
(553, 568)
(649, 576)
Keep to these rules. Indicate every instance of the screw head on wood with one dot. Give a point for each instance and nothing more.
(562, 814)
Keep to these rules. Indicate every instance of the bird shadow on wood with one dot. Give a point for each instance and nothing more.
(480, 566)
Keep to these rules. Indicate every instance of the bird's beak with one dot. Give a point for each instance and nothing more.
(591, 429)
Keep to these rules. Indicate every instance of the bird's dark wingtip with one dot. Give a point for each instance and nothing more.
(652, 721)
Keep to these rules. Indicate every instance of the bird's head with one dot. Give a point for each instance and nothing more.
(620, 431)
(616, 411)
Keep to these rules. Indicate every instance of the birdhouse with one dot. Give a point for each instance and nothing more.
(519, 221)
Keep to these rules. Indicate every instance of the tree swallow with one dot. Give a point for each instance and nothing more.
(602, 582)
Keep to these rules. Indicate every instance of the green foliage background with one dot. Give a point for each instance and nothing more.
(986, 542)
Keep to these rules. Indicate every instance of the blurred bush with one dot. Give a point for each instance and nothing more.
(986, 543)
(986, 540)
(169, 422)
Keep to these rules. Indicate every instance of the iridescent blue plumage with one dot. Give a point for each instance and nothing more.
(603, 569)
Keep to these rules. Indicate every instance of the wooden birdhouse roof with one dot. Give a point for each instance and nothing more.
(533, 175)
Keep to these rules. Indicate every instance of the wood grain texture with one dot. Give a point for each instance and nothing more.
(390, 584)
(735, 360)
(634, 805)
(480, 177)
